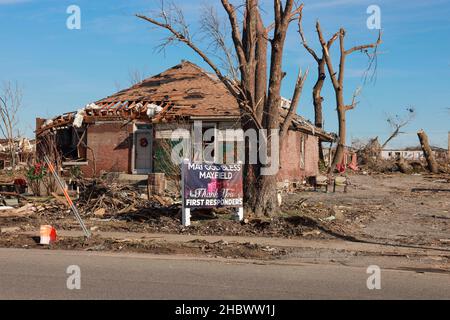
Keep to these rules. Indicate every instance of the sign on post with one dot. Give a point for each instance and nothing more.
(206, 185)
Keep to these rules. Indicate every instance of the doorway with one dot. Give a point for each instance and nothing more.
(143, 149)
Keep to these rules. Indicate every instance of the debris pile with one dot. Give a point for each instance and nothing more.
(110, 199)
(100, 199)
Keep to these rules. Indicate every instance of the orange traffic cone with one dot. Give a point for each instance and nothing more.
(48, 235)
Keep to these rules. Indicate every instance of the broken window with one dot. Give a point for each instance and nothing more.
(72, 143)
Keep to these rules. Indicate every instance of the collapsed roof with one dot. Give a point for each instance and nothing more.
(183, 91)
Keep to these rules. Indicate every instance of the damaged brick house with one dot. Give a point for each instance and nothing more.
(124, 132)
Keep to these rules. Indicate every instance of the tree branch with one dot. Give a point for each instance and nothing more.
(366, 46)
(212, 26)
(397, 123)
(332, 40)
(305, 44)
(292, 18)
(326, 56)
(294, 102)
(235, 32)
(180, 37)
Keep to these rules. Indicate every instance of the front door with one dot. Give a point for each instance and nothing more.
(143, 152)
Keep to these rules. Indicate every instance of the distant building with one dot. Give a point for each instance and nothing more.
(349, 160)
(412, 153)
(23, 151)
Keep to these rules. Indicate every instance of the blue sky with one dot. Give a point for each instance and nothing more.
(62, 70)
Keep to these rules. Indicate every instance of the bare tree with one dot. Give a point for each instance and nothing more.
(10, 103)
(259, 98)
(337, 79)
(321, 77)
(398, 122)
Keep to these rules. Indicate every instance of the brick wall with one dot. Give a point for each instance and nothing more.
(311, 156)
(111, 144)
(290, 157)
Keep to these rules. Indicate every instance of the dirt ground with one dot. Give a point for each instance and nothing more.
(220, 249)
(408, 210)
(390, 208)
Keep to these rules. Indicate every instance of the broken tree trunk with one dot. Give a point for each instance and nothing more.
(317, 101)
(428, 153)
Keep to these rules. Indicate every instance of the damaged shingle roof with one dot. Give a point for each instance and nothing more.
(187, 89)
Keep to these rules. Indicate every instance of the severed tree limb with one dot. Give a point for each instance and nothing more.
(294, 102)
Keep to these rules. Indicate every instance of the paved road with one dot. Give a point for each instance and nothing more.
(40, 274)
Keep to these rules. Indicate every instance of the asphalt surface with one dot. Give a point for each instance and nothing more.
(41, 274)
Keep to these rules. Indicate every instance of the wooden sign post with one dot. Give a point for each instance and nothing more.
(186, 212)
